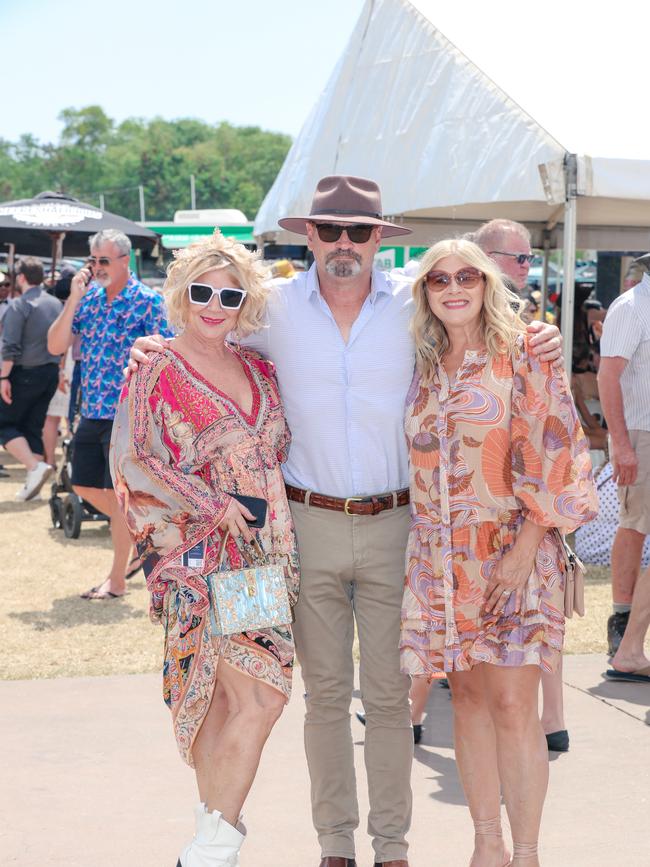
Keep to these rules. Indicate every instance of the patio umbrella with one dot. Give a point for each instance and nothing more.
(51, 223)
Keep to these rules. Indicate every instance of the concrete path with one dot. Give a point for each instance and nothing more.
(91, 778)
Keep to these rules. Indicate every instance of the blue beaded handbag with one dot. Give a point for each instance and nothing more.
(248, 599)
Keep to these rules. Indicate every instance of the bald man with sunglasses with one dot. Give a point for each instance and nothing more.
(339, 337)
(508, 243)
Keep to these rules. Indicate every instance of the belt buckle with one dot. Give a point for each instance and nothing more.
(351, 500)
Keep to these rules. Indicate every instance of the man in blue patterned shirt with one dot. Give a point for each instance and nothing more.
(109, 308)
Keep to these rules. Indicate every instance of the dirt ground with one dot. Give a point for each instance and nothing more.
(51, 632)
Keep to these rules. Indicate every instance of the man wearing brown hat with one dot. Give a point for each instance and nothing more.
(339, 337)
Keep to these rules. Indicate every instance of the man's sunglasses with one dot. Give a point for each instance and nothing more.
(229, 297)
(104, 261)
(519, 257)
(328, 232)
(468, 278)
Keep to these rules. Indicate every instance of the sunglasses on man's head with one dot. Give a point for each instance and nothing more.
(468, 278)
(519, 257)
(358, 234)
(104, 261)
(230, 297)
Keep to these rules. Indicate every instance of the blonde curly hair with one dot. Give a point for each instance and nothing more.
(217, 252)
(500, 323)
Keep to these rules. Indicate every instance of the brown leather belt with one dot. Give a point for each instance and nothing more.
(350, 505)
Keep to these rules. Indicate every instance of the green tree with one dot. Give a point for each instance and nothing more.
(88, 127)
(233, 167)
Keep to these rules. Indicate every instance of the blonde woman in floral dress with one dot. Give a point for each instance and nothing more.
(201, 422)
(498, 460)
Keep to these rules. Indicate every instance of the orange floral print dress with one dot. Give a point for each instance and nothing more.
(488, 450)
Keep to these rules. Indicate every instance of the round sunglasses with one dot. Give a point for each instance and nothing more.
(468, 278)
(230, 298)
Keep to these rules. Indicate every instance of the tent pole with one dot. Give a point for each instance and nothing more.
(57, 250)
(141, 195)
(11, 266)
(544, 299)
(569, 258)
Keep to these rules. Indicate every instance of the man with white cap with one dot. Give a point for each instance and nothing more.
(339, 337)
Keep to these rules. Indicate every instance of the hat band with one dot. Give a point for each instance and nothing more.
(344, 212)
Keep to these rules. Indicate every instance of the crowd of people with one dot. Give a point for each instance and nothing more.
(416, 452)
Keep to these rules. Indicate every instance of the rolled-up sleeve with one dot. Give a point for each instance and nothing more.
(622, 332)
(13, 326)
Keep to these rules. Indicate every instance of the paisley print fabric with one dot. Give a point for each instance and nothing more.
(179, 449)
(108, 331)
(499, 444)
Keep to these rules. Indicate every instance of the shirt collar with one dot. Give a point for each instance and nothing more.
(125, 296)
(33, 290)
(379, 284)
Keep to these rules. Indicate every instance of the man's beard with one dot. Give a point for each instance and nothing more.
(347, 266)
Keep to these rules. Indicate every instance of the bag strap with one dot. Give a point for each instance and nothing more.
(570, 557)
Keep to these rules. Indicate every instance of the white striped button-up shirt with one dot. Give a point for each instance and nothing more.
(626, 333)
(344, 401)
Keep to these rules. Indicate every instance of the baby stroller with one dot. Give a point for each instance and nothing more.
(67, 510)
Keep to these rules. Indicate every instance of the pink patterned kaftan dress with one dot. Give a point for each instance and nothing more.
(486, 451)
(179, 448)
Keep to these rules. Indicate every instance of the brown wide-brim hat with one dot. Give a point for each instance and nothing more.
(345, 199)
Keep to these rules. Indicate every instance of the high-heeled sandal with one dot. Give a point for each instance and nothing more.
(490, 828)
(524, 850)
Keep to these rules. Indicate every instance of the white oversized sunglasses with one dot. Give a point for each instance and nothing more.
(230, 298)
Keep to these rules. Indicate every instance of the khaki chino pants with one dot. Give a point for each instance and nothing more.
(352, 567)
(635, 499)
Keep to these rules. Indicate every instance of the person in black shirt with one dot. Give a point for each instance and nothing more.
(29, 374)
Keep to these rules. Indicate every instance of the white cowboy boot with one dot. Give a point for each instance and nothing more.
(242, 830)
(215, 843)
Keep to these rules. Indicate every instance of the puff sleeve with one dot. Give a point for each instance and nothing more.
(168, 509)
(551, 468)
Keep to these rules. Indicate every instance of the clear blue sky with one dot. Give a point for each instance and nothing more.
(579, 68)
(250, 62)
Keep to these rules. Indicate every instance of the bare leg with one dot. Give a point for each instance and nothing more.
(476, 758)
(420, 689)
(522, 755)
(630, 655)
(19, 449)
(553, 701)
(626, 564)
(50, 437)
(105, 500)
(229, 744)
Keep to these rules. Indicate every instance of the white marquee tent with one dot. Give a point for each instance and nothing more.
(450, 149)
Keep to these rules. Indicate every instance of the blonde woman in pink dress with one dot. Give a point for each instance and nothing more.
(203, 422)
(498, 460)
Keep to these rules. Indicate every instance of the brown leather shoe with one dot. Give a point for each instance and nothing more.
(337, 861)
